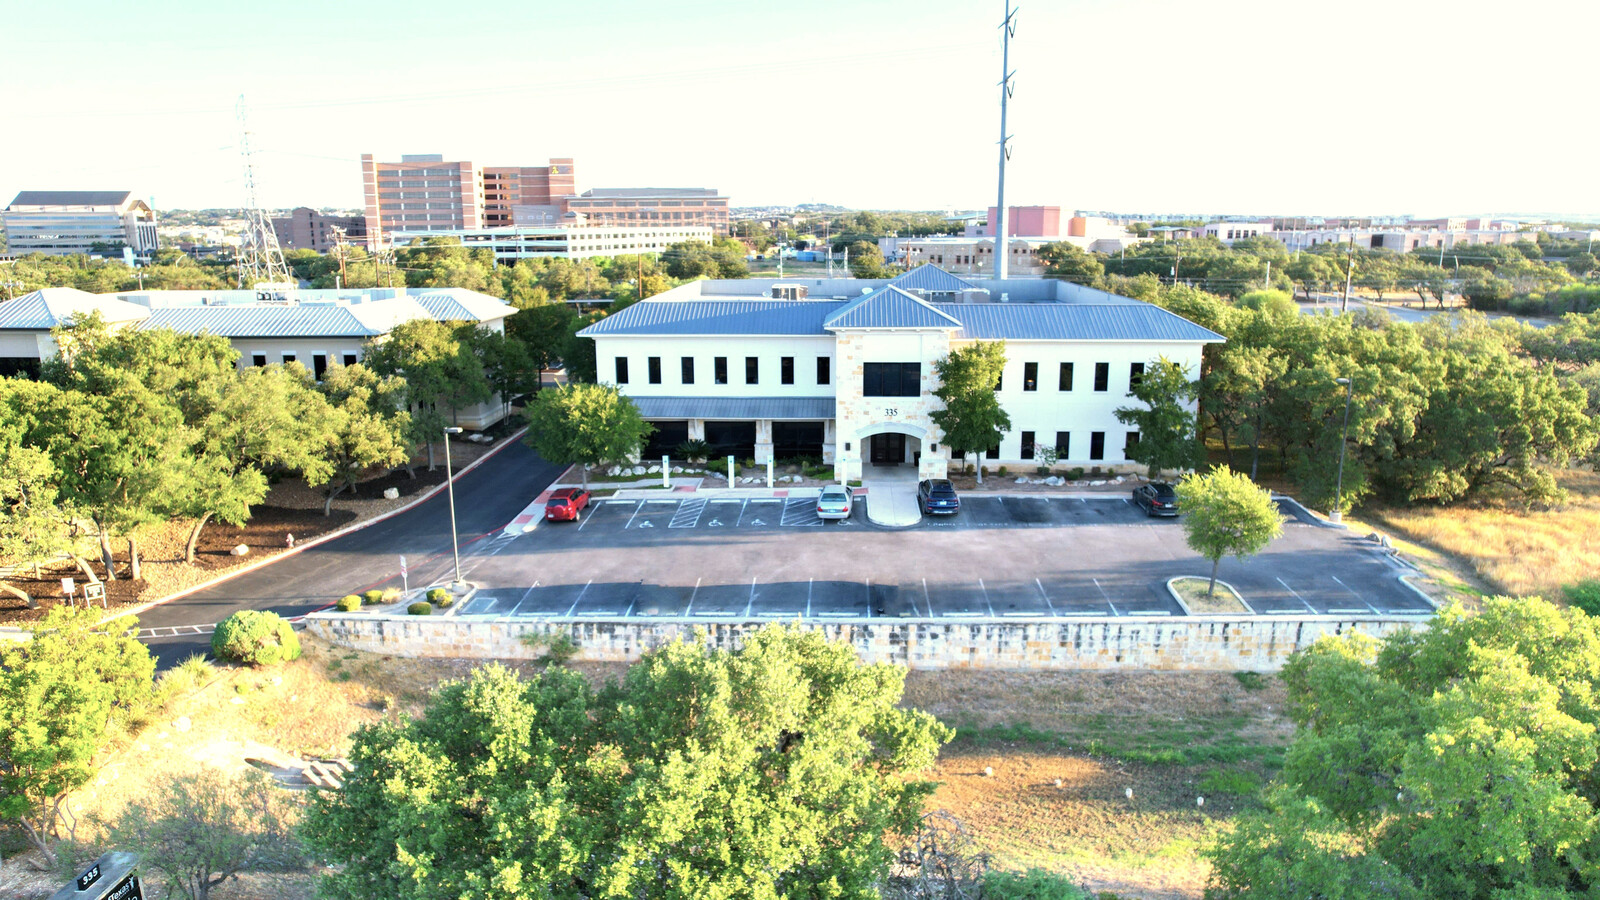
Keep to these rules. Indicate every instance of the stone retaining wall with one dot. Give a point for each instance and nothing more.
(1218, 644)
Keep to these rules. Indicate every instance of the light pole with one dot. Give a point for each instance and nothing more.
(450, 487)
(1337, 515)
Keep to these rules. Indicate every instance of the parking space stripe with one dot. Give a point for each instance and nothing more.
(525, 595)
(635, 513)
(1046, 597)
(691, 597)
(579, 598)
(986, 597)
(1364, 600)
(1106, 596)
(1297, 596)
(925, 597)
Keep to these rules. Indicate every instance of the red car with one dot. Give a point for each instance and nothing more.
(565, 504)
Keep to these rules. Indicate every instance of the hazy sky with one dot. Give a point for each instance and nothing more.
(1260, 106)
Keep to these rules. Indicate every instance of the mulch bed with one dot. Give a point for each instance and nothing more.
(268, 529)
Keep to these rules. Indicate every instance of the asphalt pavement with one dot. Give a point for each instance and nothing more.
(486, 499)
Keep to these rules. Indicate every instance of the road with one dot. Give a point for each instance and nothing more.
(1330, 304)
(486, 499)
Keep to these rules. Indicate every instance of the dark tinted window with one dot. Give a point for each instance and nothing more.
(824, 373)
(1135, 375)
(786, 370)
(891, 380)
(655, 370)
(1097, 445)
(349, 359)
(622, 370)
(941, 489)
(992, 452)
(1030, 376)
(688, 370)
(555, 502)
(1027, 445)
(258, 359)
(1063, 445)
(719, 369)
(1065, 381)
(752, 370)
(1130, 442)
(1102, 375)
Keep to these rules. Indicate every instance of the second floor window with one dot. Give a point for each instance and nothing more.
(786, 370)
(1030, 376)
(891, 379)
(719, 369)
(824, 370)
(1102, 376)
(622, 370)
(688, 370)
(655, 370)
(752, 370)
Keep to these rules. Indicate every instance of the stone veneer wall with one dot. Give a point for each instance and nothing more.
(1180, 644)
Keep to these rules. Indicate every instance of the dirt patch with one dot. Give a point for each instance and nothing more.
(290, 507)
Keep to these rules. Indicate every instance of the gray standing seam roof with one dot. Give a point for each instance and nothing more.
(685, 317)
(1074, 322)
(932, 279)
(261, 321)
(714, 408)
(890, 307)
(70, 198)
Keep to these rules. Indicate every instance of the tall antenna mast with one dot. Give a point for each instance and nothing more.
(260, 257)
(1002, 251)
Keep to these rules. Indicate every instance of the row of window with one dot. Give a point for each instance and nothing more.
(1102, 376)
(719, 370)
(319, 361)
(1097, 445)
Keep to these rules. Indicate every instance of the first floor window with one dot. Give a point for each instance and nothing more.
(319, 365)
(349, 359)
(992, 452)
(258, 359)
(1027, 445)
(622, 370)
(288, 358)
(1129, 443)
(1063, 445)
(1097, 445)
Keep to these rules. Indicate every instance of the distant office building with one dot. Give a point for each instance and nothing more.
(974, 255)
(1022, 221)
(512, 243)
(427, 193)
(1228, 232)
(658, 207)
(59, 223)
(1400, 240)
(306, 229)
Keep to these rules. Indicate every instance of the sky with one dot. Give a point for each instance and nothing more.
(1282, 107)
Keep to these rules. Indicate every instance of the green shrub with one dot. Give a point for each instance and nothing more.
(255, 638)
(1584, 595)
(1004, 471)
(1230, 781)
(1250, 681)
(558, 646)
(373, 596)
(420, 608)
(440, 597)
(1075, 473)
(693, 451)
(1034, 884)
(349, 603)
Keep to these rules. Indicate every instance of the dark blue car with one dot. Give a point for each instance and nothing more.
(938, 497)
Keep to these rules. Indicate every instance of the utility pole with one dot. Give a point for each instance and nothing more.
(1349, 267)
(341, 252)
(1007, 29)
(1267, 286)
(641, 276)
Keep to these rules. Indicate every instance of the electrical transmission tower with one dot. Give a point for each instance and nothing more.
(260, 257)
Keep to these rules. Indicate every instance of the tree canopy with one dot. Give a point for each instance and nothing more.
(774, 770)
(1458, 760)
(1225, 513)
(972, 419)
(1166, 426)
(586, 424)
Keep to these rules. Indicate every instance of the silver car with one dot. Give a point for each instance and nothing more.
(834, 503)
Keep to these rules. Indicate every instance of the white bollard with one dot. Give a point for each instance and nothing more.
(769, 472)
(733, 478)
(666, 473)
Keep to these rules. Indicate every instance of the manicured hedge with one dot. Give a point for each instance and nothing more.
(255, 638)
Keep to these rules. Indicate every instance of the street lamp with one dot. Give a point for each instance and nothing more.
(450, 486)
(1337, 515)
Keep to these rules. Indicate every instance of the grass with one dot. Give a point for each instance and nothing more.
(1514, 550)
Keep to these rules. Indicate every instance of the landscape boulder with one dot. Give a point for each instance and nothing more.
(239, 550)
(391, 493)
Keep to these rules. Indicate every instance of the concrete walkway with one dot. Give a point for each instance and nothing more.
(891, 495)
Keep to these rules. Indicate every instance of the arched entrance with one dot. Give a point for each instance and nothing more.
(891, 450)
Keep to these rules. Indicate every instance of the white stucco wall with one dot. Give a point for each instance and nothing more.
(769, 350)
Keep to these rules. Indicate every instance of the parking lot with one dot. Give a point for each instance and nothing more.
(1000, 557)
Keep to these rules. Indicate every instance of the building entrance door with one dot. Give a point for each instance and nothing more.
(888, 449)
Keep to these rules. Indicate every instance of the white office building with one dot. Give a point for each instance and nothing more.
(844, 368)
(512, 242)
(61, 223)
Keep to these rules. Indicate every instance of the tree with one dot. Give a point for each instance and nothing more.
(1582, 264)
(972, 419)
(585, 424)
(59, 692)
(1072, 263)
(508, 369)
(1487, 293)
(366, 425)
(775, 770)
(199, 829)
(1453, 761)
(441, 375)
(1225, 513)
(866, 261)
(1168, 438)
(1310, 271)
(32, 526)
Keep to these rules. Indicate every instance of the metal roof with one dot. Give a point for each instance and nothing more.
(1074, 322)
(730, 317)
(46, 308)
(890, 307)
(932, 279)
(715, 408)
(71, 198)
(460, 304)
(265, 321)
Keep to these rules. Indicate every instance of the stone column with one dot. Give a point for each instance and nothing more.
(763, 440)
(830, 434)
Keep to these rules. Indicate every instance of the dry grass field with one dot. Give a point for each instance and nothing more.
(1064, 747)
(1514, 550)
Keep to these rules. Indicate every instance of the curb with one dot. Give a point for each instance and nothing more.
(507, 441)
(1406, 580)
(1319, 520)
(1251, 610)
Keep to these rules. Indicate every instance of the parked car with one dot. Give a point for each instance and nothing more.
(565, 504)
(835, 502)
(1157, 498)
(938, 497)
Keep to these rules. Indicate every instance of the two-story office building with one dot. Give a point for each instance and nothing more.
(845, 368)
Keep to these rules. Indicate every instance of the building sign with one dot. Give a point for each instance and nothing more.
(92, 874)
